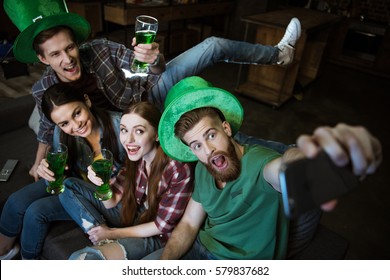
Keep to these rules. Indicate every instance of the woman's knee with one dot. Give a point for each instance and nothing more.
(14, 203)
(19, 201)
(73, 183)
(109, 251)
(87, 253)
(34, 213)
(76, 186)
(73, 187)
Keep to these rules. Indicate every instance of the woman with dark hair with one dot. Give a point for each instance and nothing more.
(153, 193)
(28, 212)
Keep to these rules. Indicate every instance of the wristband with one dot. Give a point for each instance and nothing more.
(155, 63)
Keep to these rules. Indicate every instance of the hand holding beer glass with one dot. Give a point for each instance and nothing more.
(102, 162)
(56, 158)
(145, 33)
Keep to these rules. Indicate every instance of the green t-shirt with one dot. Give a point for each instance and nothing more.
(245, 219)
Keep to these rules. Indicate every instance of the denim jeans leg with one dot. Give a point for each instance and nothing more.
(14, 209)
(276, 146)
(134, 249)
(196, 252)
(205, 54)
(36, 224)
(87, 253)
(137, 248)
(87, 211)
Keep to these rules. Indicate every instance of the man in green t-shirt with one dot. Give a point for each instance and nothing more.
(236, 211)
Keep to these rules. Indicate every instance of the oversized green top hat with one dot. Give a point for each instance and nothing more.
(33, 16)
(189, 94)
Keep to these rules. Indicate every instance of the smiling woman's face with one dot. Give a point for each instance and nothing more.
(73, 118)
(138, 137)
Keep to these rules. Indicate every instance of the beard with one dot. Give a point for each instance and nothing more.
(233, 169)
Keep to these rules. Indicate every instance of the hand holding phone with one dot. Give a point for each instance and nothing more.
(308, 183)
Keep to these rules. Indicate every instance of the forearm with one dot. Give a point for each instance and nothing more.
(292, 154)
(143, 230)
(180, 242)
(41, 152)
(271, 170)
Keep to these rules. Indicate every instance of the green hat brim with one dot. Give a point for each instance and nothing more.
(23, 45)
(218, 98)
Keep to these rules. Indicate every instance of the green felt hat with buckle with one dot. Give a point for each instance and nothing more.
(33, 16)
(189, 94)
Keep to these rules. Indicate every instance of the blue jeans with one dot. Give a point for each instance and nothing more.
(88, 212)
(134, 249)
(276, 146)
(196, 252)
(205, 54)
(28, 213)
(79, 202)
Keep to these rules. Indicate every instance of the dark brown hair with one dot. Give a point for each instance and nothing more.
(129, 216)
(45, 35)
(64, 93)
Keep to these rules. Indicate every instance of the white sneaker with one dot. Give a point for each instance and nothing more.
(287, 44)
(11, 253)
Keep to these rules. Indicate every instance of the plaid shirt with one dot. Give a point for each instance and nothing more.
(175, 189)
(105, 59)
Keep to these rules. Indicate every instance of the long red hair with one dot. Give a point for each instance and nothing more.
(129, 211)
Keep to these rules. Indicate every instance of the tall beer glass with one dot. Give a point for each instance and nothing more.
(145, 32)
(102, 165)
(56, 157)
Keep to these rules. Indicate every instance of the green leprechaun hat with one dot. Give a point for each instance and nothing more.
(33, 16)
(189, 94)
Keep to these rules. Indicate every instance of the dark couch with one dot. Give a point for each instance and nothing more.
(18, 141)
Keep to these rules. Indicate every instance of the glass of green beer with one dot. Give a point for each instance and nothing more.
(56, 158)
(102, 165)
(145, 33)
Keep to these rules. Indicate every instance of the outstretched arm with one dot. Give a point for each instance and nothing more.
(343, 143)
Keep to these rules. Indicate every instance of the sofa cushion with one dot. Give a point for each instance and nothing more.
(19, 144)
(15, 113)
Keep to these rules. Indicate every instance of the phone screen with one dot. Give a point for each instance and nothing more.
(308, 183)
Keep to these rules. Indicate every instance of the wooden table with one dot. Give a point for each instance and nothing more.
(275, 84)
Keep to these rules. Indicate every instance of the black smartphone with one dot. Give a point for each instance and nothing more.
(308, 183)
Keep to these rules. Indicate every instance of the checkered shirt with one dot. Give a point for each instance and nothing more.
(175, 189)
